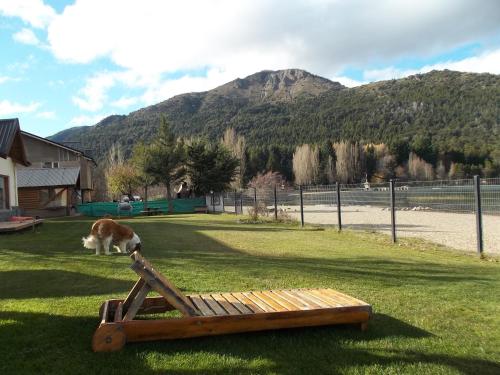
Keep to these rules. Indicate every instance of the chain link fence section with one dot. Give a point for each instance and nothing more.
(490, 204)
(439, 211)
(366, 207)
(444, 212)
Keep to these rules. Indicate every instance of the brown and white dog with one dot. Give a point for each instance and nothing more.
(105, 232)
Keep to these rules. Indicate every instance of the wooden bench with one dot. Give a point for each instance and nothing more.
(217, 313)
(151, 211)
(201, 210)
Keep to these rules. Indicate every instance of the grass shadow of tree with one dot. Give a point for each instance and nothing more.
(47, 283)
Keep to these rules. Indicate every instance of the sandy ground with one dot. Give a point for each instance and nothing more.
(455, 230)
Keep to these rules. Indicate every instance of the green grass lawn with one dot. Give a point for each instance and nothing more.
(435, 311)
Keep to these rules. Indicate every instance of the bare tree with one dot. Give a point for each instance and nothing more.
(121, 178)
(350, 165)
(330, 171)
(441, 171)
(306, 164)
(267, 180)
(236, 144)
(418, 169)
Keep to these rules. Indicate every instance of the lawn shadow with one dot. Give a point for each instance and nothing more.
(48, 283)
(328, 349)
(66, 344)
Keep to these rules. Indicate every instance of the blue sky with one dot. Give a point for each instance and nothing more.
(72, 63)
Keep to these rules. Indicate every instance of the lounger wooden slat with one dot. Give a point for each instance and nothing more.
(240, 306)
(133, 292)
(232, 310)
(342, 297)
(247, 302)
(346, 297)
(304, 300)
(217, 313)
(283, 302)
(308, 296)
(263, 305)
(269, 301)
(202, 306)
(118, 312)
(324, 297)
(341, 300)
(137, 302)
(293, 300)
(214, 305)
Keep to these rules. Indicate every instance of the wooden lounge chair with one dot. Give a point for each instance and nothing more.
(217, 313)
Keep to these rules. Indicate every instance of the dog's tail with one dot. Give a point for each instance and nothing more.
(90, 242)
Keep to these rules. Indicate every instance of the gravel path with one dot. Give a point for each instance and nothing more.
(454, 230)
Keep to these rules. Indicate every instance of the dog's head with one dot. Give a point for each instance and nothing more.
(134, 244)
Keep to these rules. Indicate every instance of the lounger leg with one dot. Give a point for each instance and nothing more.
(364, 326)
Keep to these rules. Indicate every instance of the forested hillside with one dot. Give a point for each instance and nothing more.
(441, 115)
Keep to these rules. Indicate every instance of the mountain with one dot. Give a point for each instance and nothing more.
(455, 113)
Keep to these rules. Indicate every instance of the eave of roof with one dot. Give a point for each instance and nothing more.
(59, 145)
(9, 131)
(47, 177)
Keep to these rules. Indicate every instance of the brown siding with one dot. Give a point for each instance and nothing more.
(29, 199)
(86, 174)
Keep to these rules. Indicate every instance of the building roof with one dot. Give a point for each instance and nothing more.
(58, 145)
(47, 177)
(11, 144)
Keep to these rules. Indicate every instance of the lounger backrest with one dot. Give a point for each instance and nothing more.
(162, 285)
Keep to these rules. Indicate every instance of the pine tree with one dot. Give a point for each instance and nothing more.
(165, 159)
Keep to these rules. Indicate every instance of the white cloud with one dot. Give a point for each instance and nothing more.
(346, 81)
(161, 90)
(8, 108)
(250, 35)
(487, 62)
(46, 115)
(26, 36)
(93, 96)
(34, 12)
(4, 79)
(83, 120)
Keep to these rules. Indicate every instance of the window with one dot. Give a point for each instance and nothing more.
(52, 197)
(4, 193)
(50, 164)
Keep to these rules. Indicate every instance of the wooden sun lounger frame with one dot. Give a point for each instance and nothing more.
(218, 313)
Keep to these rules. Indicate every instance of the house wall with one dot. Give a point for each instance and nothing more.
(30, 201)
(38, 152)
(8, 168)
(29, 198)
(86, 167)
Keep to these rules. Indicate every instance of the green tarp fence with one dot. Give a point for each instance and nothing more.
(97, 209)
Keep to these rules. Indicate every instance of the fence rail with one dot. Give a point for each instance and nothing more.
(444, 211)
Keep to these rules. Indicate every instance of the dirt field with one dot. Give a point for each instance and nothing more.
(454, 230)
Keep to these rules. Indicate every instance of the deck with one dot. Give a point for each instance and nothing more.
(15, 226)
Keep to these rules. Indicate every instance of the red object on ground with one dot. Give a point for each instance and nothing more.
(21, 218)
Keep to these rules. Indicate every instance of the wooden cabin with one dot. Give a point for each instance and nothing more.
(58, 179)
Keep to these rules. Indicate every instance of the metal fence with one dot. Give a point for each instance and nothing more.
(461, 214)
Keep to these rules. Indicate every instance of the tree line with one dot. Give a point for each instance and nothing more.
(230, 164)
